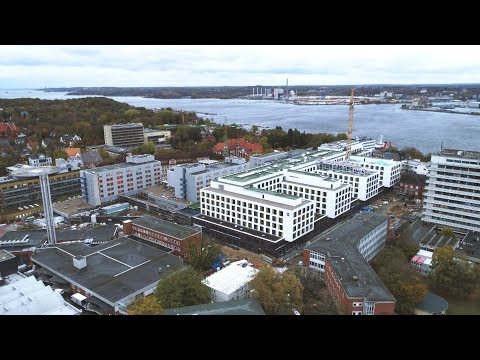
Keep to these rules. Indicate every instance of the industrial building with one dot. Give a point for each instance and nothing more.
(124, 135)
(106, 183)
(231, 282)
(452, 196)
(342, 255)
(172, 236)
(110, 275)
(187, 180)
(156, 136)
(20, 196)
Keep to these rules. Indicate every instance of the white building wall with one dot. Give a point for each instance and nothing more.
(452, 196)
(389, 170)
(101, 186)
(372, 243)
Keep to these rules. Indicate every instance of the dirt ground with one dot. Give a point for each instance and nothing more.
(234, 254)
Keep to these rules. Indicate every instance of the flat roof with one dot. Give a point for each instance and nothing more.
(18, 240)
(114, 271)
(340, 245)
(261, 201)
(373, 160)
(461, 154)
(214, 167)
(5, 255)
(232, 277)
(432, 303)
(115, 167)
(166, 227)
(232, 307)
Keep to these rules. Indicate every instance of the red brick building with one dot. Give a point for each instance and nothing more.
(342, 256)
(239, 148)
(165, 233)
(412, 184)
(8, 131)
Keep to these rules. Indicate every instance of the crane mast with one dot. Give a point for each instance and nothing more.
(350, 127)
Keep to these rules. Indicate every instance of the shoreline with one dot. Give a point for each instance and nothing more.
(446, 111)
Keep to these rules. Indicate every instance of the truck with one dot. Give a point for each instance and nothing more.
(78, 298)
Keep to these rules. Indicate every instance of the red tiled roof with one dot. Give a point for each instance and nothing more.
(5, 126)
(72, 151)
(248, 146)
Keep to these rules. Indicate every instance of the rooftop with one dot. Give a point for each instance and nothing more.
(166, 227)
(29, 296)
(126, 126)
(373, 160)
(340, 245)
(232, 307)
(413, 178)
(103, 169)
(432, 304)
(114, 270)
(5, 255)
(461, 154)
(232, 277)
(214, 167)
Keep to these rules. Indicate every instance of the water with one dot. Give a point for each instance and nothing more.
(423, 130)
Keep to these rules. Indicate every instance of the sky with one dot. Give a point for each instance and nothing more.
(39, 66)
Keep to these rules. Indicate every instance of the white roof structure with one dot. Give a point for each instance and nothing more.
(30, 296)
(232, 277)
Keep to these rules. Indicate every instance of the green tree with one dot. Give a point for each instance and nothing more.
(182, 288)
(202, 255)
(405, 284)
(104, 154)
(406, 244)
(453, 273)
(146, 306)
(277, 292)
(59, 154)
(326, 304)
(146, 148)
(448, 233)
(132, 113)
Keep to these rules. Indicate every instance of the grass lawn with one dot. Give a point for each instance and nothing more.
(468, 306)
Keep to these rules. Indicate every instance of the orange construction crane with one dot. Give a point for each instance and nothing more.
(350, 127)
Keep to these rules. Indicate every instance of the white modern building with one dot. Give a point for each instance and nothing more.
(416, 166)
(156, 136)
(282, 199)
(39, 160)
(452, 196)
(124, 135)
(187, 180)
(389, 170)
(360, 146)
(364, 182)
(231, 282)
(107, 183)
(71, 164)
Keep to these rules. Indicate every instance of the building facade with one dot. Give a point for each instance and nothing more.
(26, 192)
(231, 282)
(39, 160)
(412, 184)
(389, 170)
(187, 180)
(422, 262)
(342, 256)
(107, 183)
(157, 136)
(176, 237)
(239, 148)
(124, 135)
(452, 196)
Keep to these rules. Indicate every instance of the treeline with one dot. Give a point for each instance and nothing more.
(39, 119)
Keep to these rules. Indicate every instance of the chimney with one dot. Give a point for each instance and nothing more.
(80, 262)
(127, 227)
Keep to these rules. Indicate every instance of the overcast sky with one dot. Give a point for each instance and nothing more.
(216, 65)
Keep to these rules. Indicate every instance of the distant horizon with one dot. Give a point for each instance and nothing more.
(54, 66)
(240, 86)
